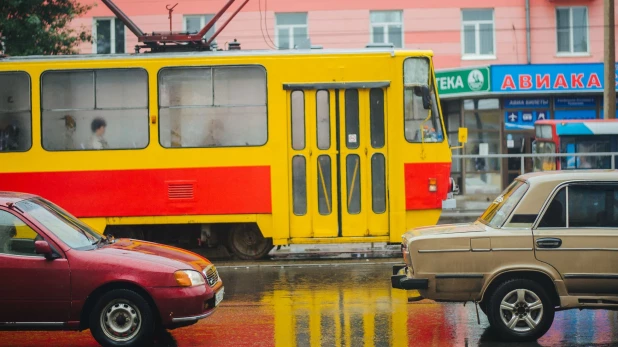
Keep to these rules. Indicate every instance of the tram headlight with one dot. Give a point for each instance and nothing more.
(433, 185)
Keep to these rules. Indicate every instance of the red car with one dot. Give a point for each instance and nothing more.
(57, 273)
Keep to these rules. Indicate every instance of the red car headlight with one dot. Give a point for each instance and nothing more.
(188, 278)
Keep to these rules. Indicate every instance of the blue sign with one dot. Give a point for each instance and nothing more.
(542, 115)
(575, 102)
(526, 103)
(603, 102)
(511, 117)
(523, 120)
(527, 117)
(547, 77)
(575, 114)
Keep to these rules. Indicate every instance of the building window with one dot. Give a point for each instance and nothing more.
(94, 109)
(482, 175)
(478, 38)
(292, 30)
(572, 29)
(387, 27)
(108, 34)
(194, 23)
(223, 106)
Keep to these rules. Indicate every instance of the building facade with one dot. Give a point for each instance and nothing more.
(501, 64)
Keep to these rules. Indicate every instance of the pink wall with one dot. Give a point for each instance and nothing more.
(434, 25)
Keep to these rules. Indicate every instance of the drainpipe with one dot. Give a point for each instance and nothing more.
(528, 49)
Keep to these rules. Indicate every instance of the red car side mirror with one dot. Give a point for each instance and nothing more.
(42, 247)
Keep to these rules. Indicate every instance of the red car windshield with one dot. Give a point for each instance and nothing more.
(69, 229)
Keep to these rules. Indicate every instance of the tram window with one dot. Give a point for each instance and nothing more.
(376, 97)
(352, 127)
(212, 107)
(323, 119)
(325, 199)
(378, 183)
(15, 112)
(187, 87)
(353, 177)
(421, 125)
(241, 85)
(298, 119)
(94, 109)
(299, 185)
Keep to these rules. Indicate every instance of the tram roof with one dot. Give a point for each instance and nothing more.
(228, 53)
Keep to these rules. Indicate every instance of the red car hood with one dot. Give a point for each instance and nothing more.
(156, 253)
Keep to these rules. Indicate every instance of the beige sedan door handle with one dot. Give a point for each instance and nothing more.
(550, 242)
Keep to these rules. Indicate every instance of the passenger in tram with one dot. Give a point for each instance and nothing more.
(9, 138)
(98, 130)
(70, 126)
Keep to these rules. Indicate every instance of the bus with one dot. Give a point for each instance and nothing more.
(240, 149)
(574, 136)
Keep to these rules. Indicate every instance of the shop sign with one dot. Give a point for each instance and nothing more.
(526, 103)
(575, 102)
(470, 80)
(547, 77)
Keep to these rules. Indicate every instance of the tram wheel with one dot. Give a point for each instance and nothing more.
(247, 242)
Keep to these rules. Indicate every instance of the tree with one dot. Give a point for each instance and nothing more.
(38, 27)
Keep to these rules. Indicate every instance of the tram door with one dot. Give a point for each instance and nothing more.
(337, 158)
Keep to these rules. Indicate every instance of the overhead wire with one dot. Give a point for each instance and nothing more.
(261, 25)
(266, 24)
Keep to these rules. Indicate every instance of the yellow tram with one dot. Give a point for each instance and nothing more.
(248, 149)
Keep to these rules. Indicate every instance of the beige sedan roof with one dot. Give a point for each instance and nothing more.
(570, 175)
(542, 184)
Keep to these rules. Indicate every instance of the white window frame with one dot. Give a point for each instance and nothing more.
(477, 36)
(112, 34)
(290, 28)
(203, 22)
(571, 53)
(385, 26)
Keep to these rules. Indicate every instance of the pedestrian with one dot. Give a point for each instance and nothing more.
(98, 130)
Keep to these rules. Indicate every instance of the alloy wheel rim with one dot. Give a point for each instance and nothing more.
(521, 310)
(120, 320)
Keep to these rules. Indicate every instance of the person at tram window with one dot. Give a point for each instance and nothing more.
(70, 126)
(98, 130)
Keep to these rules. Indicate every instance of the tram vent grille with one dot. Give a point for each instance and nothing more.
(177, 191)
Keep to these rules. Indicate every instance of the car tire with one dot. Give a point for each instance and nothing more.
(520, 310)
(122, 317)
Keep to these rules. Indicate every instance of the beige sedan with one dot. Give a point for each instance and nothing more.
(549, 242)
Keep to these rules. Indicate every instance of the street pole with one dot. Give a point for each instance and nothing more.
(609, 62)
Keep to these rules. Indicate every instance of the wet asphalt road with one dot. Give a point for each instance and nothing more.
(342, 303)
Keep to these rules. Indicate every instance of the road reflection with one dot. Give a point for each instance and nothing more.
(347, 305)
